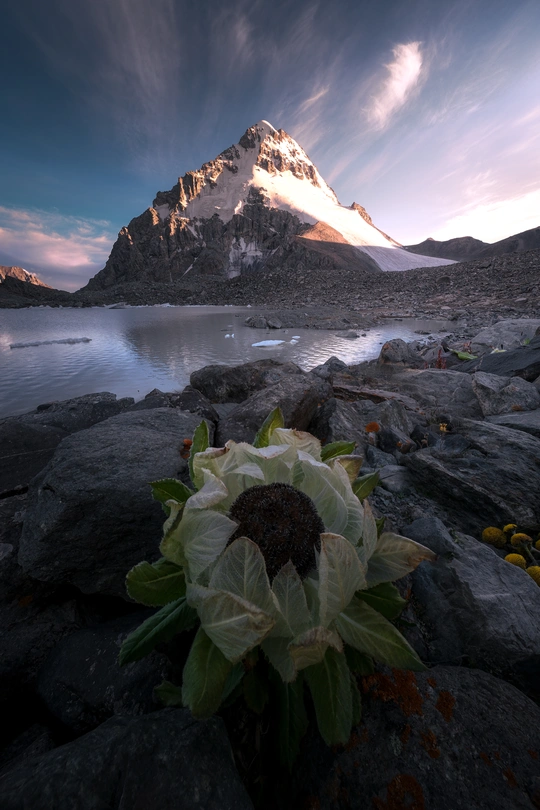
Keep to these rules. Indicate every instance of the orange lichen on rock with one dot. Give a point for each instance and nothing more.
(403, 690)
(404, 791)
(445, 704)
(372, 427)
(510, 778)
(486, 759)
(429, 742)
(432, 682)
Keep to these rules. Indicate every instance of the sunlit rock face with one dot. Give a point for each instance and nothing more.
(21, 274)
(259, 204)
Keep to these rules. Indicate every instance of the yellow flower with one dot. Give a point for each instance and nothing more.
(510, 527)
(520, 538)
(516, 559)
(534, 572)
(494, 536)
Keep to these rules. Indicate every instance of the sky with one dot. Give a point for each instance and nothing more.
(426, 113)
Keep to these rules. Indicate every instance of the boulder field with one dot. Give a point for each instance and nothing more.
(457, 449)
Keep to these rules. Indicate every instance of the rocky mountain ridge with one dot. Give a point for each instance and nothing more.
(465, 248)
(244, 212)
(10, 271)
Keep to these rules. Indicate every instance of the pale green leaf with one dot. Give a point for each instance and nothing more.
(310, 647)
(156, 584)
(171, 528)
(328, 502)
(357, 662)
(167, 489)
(200, 444)
(364, 486)
(204, 676)
(241, 570)
(291, 599)
(233, 624)
(208, 459)
(385, 598)
(198, 540)
(366, 630)
(340, 575)
(335, 449)
(273, 420)
(369, 534)
(212, 492)
(355, 510)
(330, 686)
(298, 439)
(169, 694)
(394, 557)
(276, 650)
(162, 626)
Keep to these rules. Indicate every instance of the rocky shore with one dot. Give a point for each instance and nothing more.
(456, 445)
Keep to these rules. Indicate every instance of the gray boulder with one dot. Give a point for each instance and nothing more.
(91, 515)
(440, 390)
(494, 481)
(522, 362)
(478, 609)
(28, 442)
(448, 738)
(336, 420)
(529, 421)
(508, 334)
(498, 395)
(330, 367)
(82, 684)
(397, 351)
(395, 478)
(165, 759)
(298, 396)
(236, 383)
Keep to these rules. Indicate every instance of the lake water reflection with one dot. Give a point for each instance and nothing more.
(133, 350)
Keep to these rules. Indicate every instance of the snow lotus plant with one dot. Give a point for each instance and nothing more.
(286, 575)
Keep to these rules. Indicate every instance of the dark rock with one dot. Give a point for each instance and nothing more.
(440, 389)
(391, 439)
(32, 742)
(450, 445)
(28, 442)
(507, 334)
(330, 367)
(498, 395)
(529, 422)
(395, 478)
(478, 609)
(165, 759)
(448, 738)
(237, 383)
(493, 483)
(154, 399)
(82, 684)
(195, 402)
(376, 458)
(91, 515)
(522, 362)
(397, 351)
(337, 420)
(298, 396)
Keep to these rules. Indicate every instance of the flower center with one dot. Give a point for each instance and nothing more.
(283, 522)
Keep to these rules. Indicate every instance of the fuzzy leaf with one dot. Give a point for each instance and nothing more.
(162, 626)
(241, 570)
(212, 492)
(351, 465)
(365, 485)
(277, 652)
(311, 646)
(167, 489)
(201, 442)
(204, 676)
(169, 694)
(233, 624)
(255, 691)
(464, 355)
(316, 484)
(291, 598)
(380, 525)
(366, 630)
(330, 686)
(156, 584)
(273, 420)
(299, 439)
(369, 534)
(385, 598)
(198, 540)
(394, 557)
(340, 575)
(291, 721)
(335, 449)
(357, 662)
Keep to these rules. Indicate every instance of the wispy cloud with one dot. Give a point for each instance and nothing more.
(64, 251)
(394, 91)
(494, 220)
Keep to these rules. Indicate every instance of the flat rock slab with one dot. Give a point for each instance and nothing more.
(441, 390)
(495, 482)
(236, 383)
(353, 393)
(498, 395)
(91, 515)
(507, 334)
(522, 362)
(336, 420)
(529, 421)
(478, 608)
(164, 760)
(28, 442)
(448, 738)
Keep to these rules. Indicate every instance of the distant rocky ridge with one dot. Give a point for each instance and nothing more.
(465, 248)
(250, 210)
(21, 274)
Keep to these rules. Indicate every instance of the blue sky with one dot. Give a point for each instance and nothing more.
(426, 113)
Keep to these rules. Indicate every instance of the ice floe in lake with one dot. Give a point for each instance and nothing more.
(48, 342)
(268, 343)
